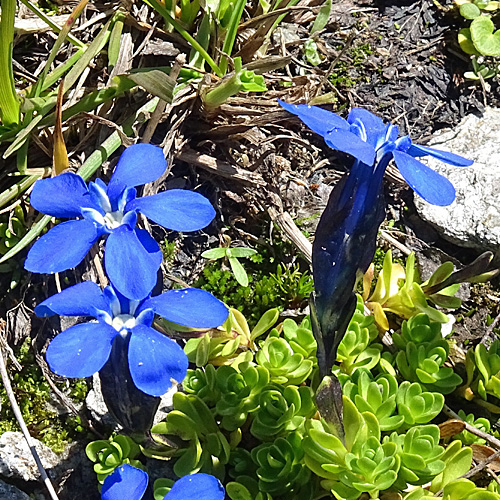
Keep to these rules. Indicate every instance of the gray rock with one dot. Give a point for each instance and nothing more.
(9, 492)
(16, 461)
(473, 219)
(96, 405)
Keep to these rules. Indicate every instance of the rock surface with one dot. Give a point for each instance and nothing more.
(16, 461)
(473, 219)
(9, 492)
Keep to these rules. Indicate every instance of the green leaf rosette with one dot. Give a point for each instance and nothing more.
(360, 464)
(281, 410)
(420, 455)
(284, 365)
(240, 389)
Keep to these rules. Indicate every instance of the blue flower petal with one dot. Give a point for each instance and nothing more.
(350, 143)
(154, 359)
(82, 350)
(83, 299)
(61, 196)
(190, 307)
(450, 158)
(126, 483)
(129, 266)
(62, 248)
(428, 184)
(372, 123)
(319, 120)
(176, 209)
(151, 246)
(138, 165)
(196, 486)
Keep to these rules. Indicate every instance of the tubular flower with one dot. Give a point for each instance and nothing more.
(366, 137)
(130, 483)
(110, 211)
(153, 358)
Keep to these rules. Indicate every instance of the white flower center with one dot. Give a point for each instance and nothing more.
(123, 322)
(113, 219)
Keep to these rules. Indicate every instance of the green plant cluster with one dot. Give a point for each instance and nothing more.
(112, 453)
(483, 375)
(34, 396)
(282, 288)
(482, 37)
(249, 415)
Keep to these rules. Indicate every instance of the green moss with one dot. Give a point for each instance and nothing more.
(33, 395)
(350, 70)
(285, 288)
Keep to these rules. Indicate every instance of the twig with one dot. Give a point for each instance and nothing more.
(288, 226)
(473, 430)
(482, 465)
(490, 329)
(24, 429)
(394, 242)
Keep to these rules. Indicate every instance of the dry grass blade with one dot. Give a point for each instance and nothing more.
(222, 168)
(60, 154)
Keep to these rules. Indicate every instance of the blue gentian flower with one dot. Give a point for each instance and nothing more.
(366, 137)
(130, 483)
(153, 358)
(111, 211)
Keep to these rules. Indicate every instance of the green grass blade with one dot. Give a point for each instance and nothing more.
(57, 29)
(17, 189)
(9, 103)
(232, 30)
(61, 38)
(187, 36)
(93, 162)
(93, 49)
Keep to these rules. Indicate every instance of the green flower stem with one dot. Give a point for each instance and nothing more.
(9, 103)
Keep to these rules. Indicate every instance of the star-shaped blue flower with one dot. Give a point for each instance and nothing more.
(153, 358)
(111, 211)
(130, 483)
(366, 137)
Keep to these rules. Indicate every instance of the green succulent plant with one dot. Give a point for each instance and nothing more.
(240, 390)
(377, 396)
(281, 409)
(246, 491)
(112, 453)
(417, 329)
(460, 489)
(356, 349)
(483, 372)
(420, 455)
(202, 383)
(300, 337)
(457, 461)
(481, 423)
(192, 421)
(360, 464)
(223, 345)
(393, 406)
(284, 365)
(397, 290)
(12, 229)
(279, 470)
(424, 363)
(416, 405)
(161, 487)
